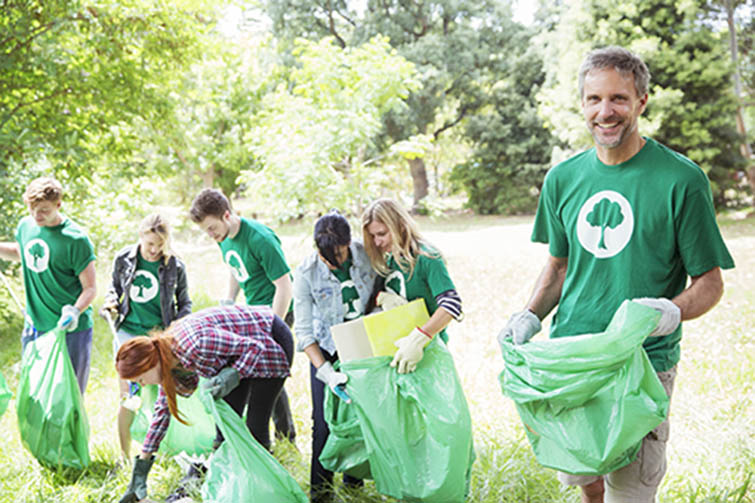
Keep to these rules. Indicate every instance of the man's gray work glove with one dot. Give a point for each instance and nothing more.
(223, 383)
(521, 327)
(671, 315)
(137, 488)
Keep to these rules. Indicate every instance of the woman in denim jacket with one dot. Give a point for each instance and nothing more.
(149, 290)
(331, 286)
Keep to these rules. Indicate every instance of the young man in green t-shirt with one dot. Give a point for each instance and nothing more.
(59, 277)
(628, 219)
(257, 265)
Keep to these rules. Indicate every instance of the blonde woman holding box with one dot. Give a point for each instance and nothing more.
(412, 269)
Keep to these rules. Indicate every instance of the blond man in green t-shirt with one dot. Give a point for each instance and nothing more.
(59, 276)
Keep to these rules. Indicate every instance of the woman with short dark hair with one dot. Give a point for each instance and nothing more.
(331, 286)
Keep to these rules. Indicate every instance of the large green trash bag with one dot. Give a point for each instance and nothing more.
(344, 451)
(241, 470)
(194, 438)
(51, 417)
(5, 395)
(587, 401)
(416, 427)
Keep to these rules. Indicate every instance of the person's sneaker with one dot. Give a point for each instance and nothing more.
(192, 481)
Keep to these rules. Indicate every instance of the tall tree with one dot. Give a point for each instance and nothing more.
(691, 105)
(729, 8)
(456, 45)
(511, 149)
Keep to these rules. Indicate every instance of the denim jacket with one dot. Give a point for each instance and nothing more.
(174, 291)
(318, 303)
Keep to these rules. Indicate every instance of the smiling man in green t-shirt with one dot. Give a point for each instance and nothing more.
(257, 265)
(628, 219)
(59, 276)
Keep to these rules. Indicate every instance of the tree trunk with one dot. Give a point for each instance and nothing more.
(744, 147)
(419, 180)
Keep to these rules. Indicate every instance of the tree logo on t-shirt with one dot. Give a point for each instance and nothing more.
(605, 224)
(350, 296)
(37, 255)
(605, 214)
(238, 270)
(144, 287)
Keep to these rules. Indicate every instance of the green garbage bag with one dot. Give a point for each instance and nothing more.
(416, 427)
(5, 395)
(587, 401)
(194, 438)
(344, 451)
(51, 417)
(241, 470)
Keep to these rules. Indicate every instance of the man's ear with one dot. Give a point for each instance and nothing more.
(643, 103)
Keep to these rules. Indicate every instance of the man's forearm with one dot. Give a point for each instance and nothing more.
(10, 251)
(233, 288)
(701, 295)
(547, 291)
(284, 292)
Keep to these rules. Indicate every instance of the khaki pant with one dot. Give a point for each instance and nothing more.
(638, 481)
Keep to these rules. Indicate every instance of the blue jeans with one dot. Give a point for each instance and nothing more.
(79, 346)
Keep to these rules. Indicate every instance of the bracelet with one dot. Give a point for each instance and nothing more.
(424, 333)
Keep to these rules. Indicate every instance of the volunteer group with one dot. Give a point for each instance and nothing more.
(627, 219)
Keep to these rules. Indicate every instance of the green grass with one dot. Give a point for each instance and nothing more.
(712, 447)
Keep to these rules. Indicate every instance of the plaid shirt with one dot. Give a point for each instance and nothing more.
(208, 341)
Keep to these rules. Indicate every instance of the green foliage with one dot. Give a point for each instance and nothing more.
(217, 101)
(83, 85)
(511, 148)
(314, 138)
(691, 106)
(458, 46)
(71, 72)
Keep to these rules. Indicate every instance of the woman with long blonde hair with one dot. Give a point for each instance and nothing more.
(148, 290)
(413, 269)
(245, 352)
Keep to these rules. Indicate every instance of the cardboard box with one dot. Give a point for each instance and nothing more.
(375, 334)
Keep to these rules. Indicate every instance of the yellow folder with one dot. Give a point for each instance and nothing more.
(374, 335)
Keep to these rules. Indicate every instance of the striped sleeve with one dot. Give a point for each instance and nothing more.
(451, 303)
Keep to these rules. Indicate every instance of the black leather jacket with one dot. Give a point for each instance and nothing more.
(174, 291)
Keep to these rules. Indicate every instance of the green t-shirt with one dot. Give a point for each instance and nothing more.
(52, 259)
(144, 312)
(351, 305)
(430, 279)
(636, 229)
(256, 260)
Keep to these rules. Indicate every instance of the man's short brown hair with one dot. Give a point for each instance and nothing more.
(209, 202)
(43, 189)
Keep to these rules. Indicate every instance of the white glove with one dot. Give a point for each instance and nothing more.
(69, 318)
(410, 351)
(521, 327)
(332, 378)
(671, 315)
(226, 302)
(389, 300)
